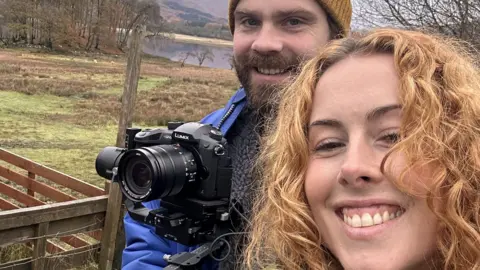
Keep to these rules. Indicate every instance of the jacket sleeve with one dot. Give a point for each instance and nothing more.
(144, 248)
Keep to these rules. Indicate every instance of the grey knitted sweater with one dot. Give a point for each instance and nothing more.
(243, 149)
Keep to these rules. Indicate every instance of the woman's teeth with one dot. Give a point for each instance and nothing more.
(367, 220)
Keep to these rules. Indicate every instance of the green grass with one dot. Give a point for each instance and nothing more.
(26, 127)
(145, 84)
(18, 103)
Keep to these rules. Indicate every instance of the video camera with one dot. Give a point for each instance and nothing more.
(185, 165)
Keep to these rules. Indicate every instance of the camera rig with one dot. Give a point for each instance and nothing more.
(187, 168)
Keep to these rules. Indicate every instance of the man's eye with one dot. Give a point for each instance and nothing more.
(250, 22)
(294, 22)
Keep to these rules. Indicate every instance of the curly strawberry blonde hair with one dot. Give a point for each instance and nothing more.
(440, 97)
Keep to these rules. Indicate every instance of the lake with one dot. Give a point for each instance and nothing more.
(174, 51)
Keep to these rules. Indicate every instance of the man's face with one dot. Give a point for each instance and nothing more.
(271, 39)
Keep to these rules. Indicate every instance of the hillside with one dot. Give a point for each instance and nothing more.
(209, 11)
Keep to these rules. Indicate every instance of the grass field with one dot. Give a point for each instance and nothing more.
(61, 110)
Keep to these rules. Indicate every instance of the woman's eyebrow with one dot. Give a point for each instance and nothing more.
(327, 123)
(380, 111)
(372, 115)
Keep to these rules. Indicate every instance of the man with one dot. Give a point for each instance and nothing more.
(271, 39)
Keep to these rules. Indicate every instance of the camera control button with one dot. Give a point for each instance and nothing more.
(219, 150)
(216, 135)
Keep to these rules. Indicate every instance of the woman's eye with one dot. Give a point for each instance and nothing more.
(391, 138)
(328, 146)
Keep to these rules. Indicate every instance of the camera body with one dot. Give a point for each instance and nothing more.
(187, 166)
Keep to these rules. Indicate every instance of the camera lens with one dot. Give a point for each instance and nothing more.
(141, 175)
(138, 176)
(150, 173)
(107, 159)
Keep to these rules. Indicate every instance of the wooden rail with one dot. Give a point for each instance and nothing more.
(34, 168)
(26, 219)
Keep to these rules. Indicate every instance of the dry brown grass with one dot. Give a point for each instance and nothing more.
(187, 93)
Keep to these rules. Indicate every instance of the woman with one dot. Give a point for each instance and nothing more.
(374, 160)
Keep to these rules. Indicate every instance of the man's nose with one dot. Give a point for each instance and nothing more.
(361, 166)
(268, 40)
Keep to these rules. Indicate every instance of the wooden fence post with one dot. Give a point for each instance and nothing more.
(40, 245)
(131, 82)
(113, 237)
(29, 190)
(111, 228)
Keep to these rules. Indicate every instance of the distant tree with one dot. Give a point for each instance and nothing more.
(144, 12)
(230, 60)
(203, 55)
(87, 24)
(455, 18)
(183, 56)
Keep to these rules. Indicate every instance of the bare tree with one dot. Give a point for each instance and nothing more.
(81, 23)
(204, 55)
(455, 18)
(183, 56)
(230, 59)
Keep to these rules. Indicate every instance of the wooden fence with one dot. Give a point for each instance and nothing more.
(58, 218)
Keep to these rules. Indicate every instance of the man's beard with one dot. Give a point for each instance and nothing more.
(263, 98)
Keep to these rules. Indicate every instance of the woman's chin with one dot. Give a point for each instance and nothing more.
(368, 264)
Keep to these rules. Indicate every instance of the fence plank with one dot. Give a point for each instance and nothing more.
(74, 241)
(50, 174)
(23, 264)
(19, 196)
(40, 245)
(60, 228)
(6, 205)
(86, 223)
(97, 235)
(73, 258)
(35, 186)
(51, 212)
(16, 235)
(63, 260)
(31, 176)
(53, 248)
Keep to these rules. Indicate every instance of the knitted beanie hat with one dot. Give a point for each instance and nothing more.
(339, 10)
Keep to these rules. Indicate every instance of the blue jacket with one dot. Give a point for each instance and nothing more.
(144, 249)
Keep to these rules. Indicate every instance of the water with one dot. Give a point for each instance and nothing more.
(174, 51)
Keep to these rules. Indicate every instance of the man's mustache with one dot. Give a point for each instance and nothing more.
(278, 61)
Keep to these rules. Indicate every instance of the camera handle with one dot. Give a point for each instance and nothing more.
(190, 260)
(184, 260)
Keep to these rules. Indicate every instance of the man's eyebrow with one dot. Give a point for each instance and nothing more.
(380, 111)
(293, 12)
(245, 13)
(276, 14)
